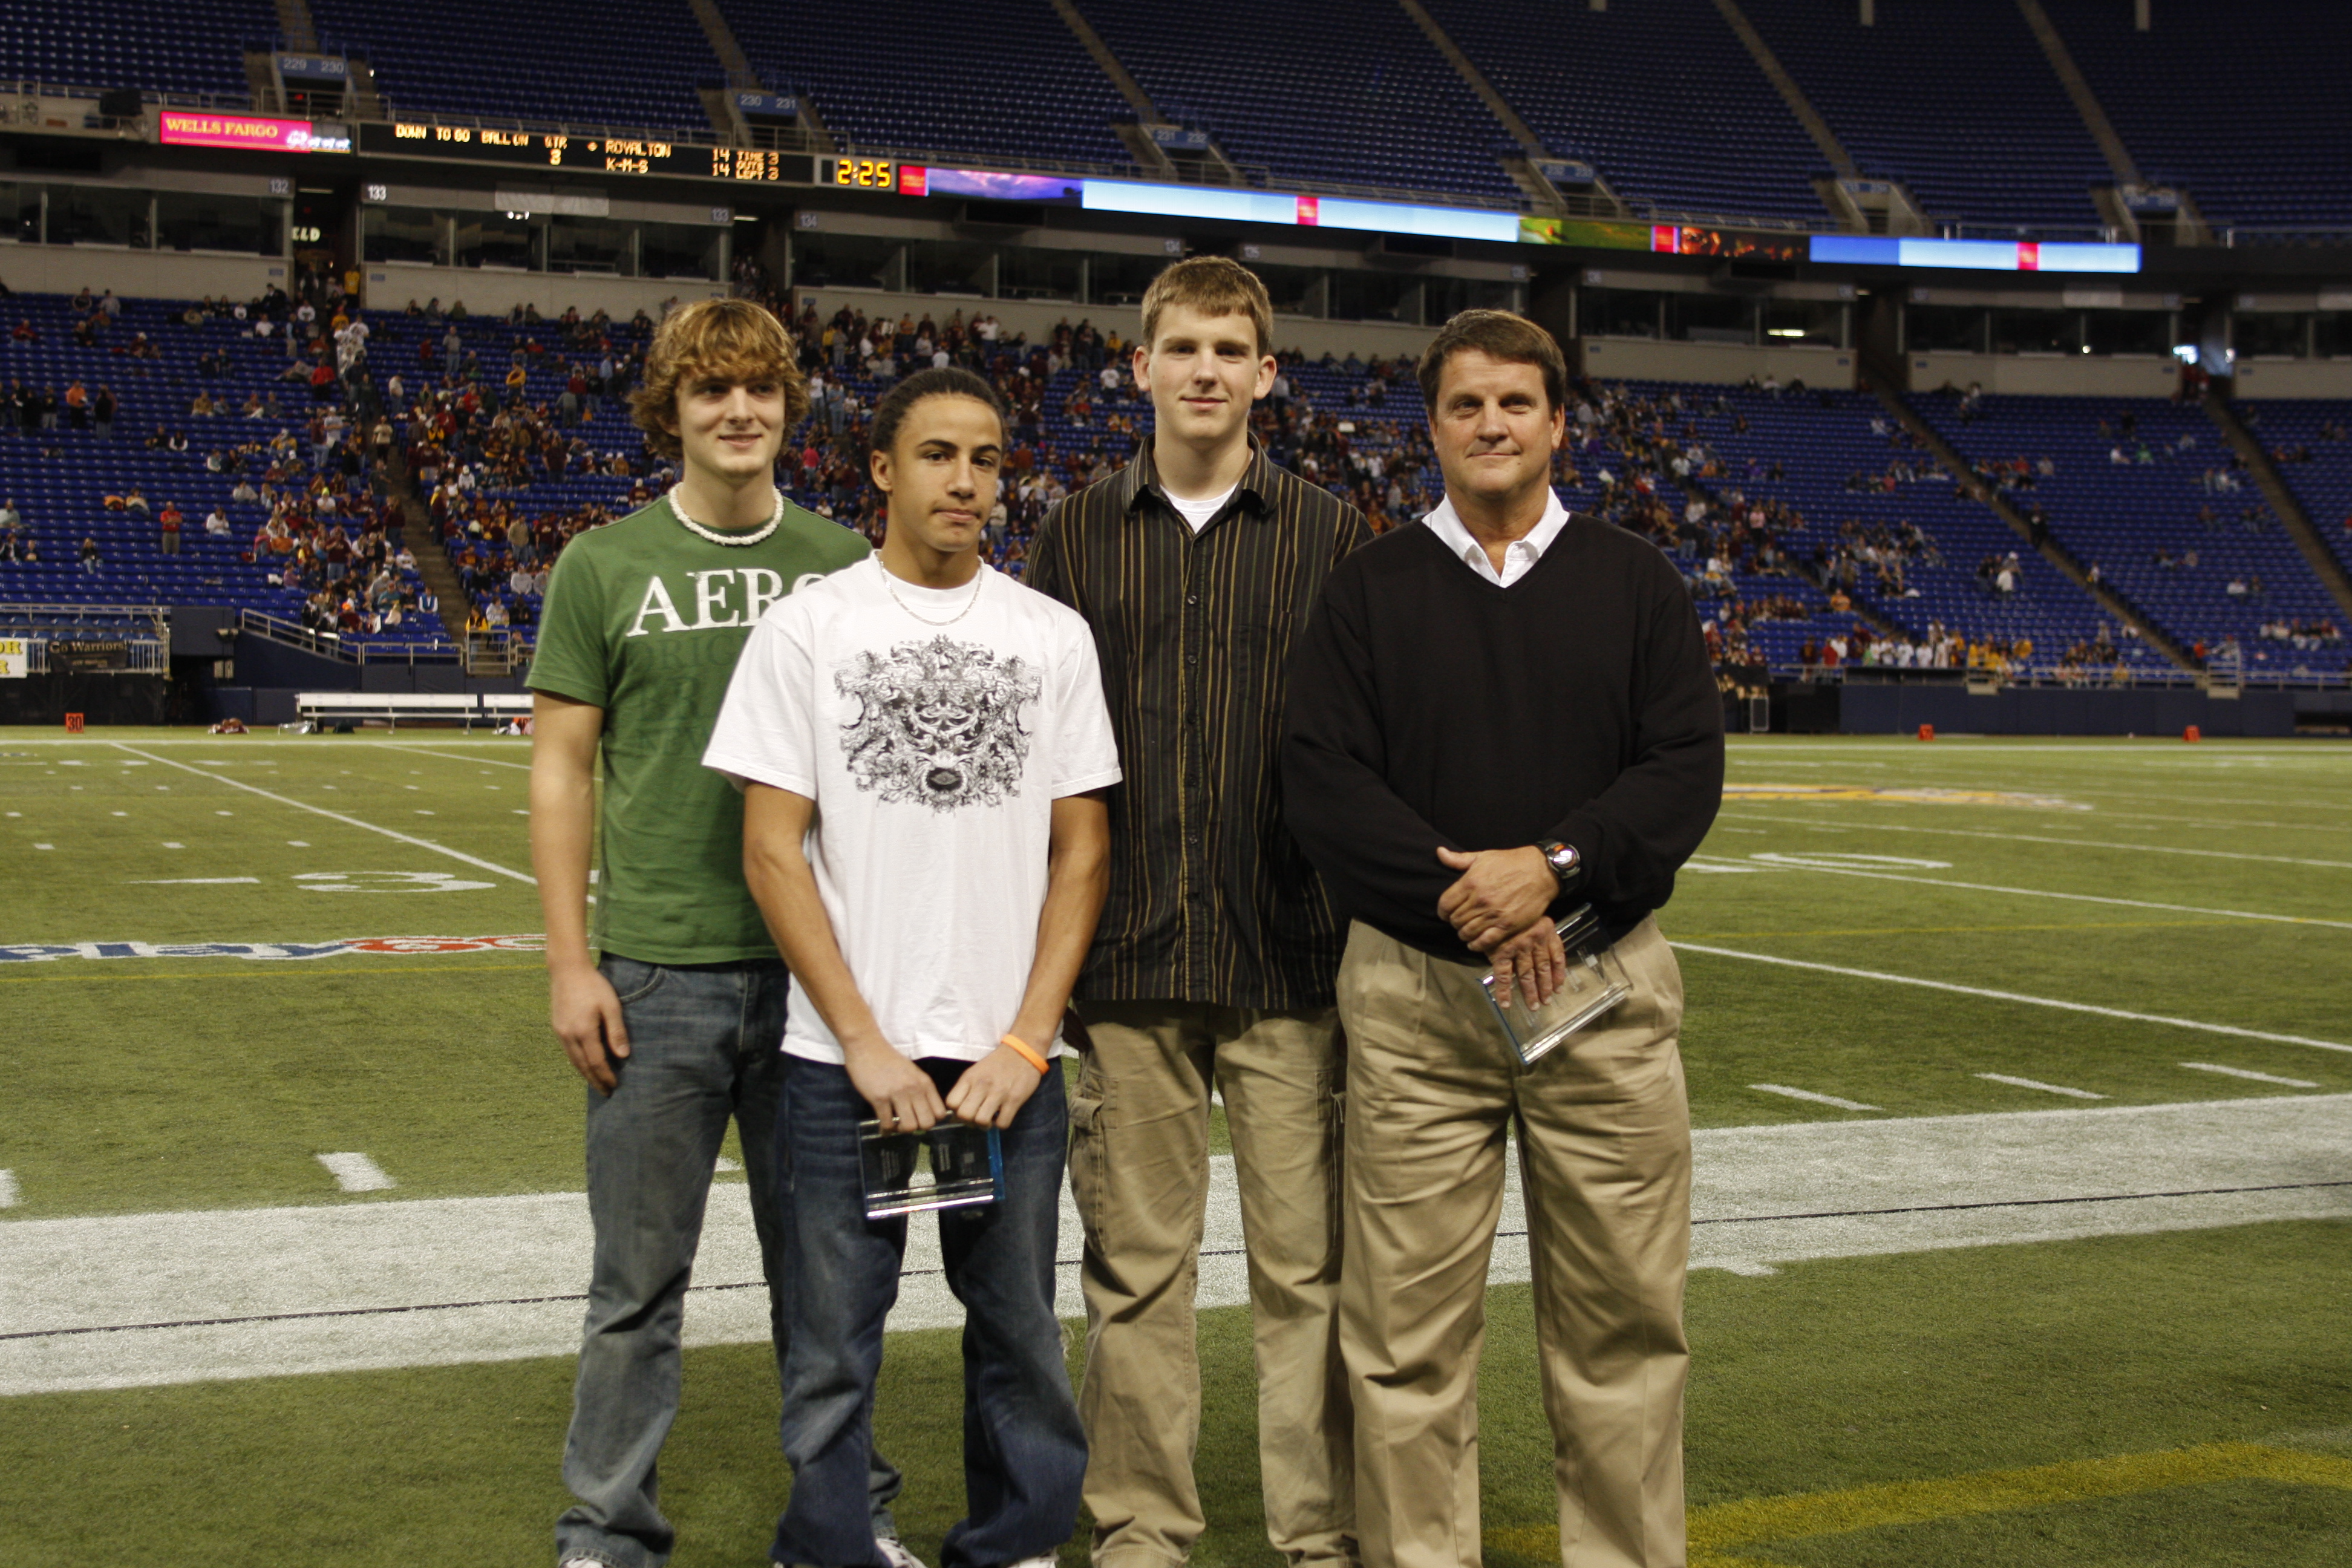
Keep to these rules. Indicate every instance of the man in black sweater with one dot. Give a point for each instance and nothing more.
(1494, 717)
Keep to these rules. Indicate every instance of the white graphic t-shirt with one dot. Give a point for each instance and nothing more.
(934, 739)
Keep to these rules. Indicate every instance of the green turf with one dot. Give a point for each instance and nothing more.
(1827, 1375)
(214, 1082)
(149, 1084)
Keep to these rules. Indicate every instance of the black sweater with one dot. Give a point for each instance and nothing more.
(1429, 706)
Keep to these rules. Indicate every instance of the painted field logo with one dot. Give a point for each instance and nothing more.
(380, 946)
(1918, 795)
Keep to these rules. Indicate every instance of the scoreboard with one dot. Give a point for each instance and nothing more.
(587, 155)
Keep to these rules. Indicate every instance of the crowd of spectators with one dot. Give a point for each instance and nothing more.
(283, 475)
(494, 448)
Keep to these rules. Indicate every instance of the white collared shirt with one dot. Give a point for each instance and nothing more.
(1519, 557)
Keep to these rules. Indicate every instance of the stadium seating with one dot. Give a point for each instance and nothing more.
(163, 45)
(1021, 86)
(2160, 526)
(1356, 426)
(1957, 102)
(2241, 104)
(587, 62)
(2307, 437)
(59, 478)
(1824, 442)
(1320, 90)
(1661, 96)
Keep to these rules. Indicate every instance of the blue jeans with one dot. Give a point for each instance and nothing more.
(1024, 1453)
(703, 1045)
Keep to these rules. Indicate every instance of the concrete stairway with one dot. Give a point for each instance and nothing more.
(2283, 501)
(2049, 548)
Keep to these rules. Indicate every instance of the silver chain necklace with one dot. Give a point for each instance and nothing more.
(890, 588)
(678, 510)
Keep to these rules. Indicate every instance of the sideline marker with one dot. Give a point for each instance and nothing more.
(1927, 732)
(73, 723)
(356, 1172)
(2191, 734)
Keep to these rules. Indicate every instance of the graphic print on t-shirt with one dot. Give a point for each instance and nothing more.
(938, 722)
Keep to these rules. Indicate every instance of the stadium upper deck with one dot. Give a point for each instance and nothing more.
(1968, 111)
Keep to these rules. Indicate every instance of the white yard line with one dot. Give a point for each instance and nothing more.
(2015, 996)
(2248, 1073)
(2037, 1083)
(450, 757)
(1784, 1088)
(1992, 745)
(2071, 898)
(2224, 824)
(141, 1299)
(2037, 838)
(233, 743)
(333, 815)
(9, 1195)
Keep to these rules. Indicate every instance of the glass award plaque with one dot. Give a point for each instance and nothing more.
(954, 1165)
(1596, 982)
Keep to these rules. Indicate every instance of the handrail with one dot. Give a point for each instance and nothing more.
(289, 634)
(157, 616)
(2053, 677)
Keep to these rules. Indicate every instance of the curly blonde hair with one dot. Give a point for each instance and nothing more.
(739, 339)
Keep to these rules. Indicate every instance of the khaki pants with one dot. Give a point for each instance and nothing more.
(1603, 1131)
(1139, 1169)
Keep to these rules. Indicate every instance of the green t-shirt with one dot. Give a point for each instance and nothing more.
(643, 620)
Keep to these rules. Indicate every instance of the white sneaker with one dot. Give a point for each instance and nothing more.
(894, 1551)
(585, 1562)
(1047, 1560)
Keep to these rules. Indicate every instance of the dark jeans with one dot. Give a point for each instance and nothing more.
(1024, 1453)
(704, 1046)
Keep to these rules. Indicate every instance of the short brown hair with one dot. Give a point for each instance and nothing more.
(739, 338)
(1213, 286)
(1498, 334)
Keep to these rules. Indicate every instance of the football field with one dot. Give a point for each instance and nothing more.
(2021, 1073)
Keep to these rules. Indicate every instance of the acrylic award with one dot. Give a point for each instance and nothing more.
(1596, 982)
(954, 1165)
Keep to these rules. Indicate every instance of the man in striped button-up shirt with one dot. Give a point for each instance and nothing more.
(1214, 960)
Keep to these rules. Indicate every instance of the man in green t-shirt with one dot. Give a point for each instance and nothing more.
(680, 1025)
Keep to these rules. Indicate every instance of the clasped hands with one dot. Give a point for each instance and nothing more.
(1499, 907)
(905, 1100)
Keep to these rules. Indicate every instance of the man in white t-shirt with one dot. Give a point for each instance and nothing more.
(923, 743)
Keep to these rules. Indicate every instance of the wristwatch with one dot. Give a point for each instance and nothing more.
(1563, 860)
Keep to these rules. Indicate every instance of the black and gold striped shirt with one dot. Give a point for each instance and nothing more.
(1211, 900)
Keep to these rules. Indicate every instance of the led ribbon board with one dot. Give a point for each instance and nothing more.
(202, 127)
(1974, 255)
(1311, 211)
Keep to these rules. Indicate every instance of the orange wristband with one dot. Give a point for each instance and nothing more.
(1021, 1048)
